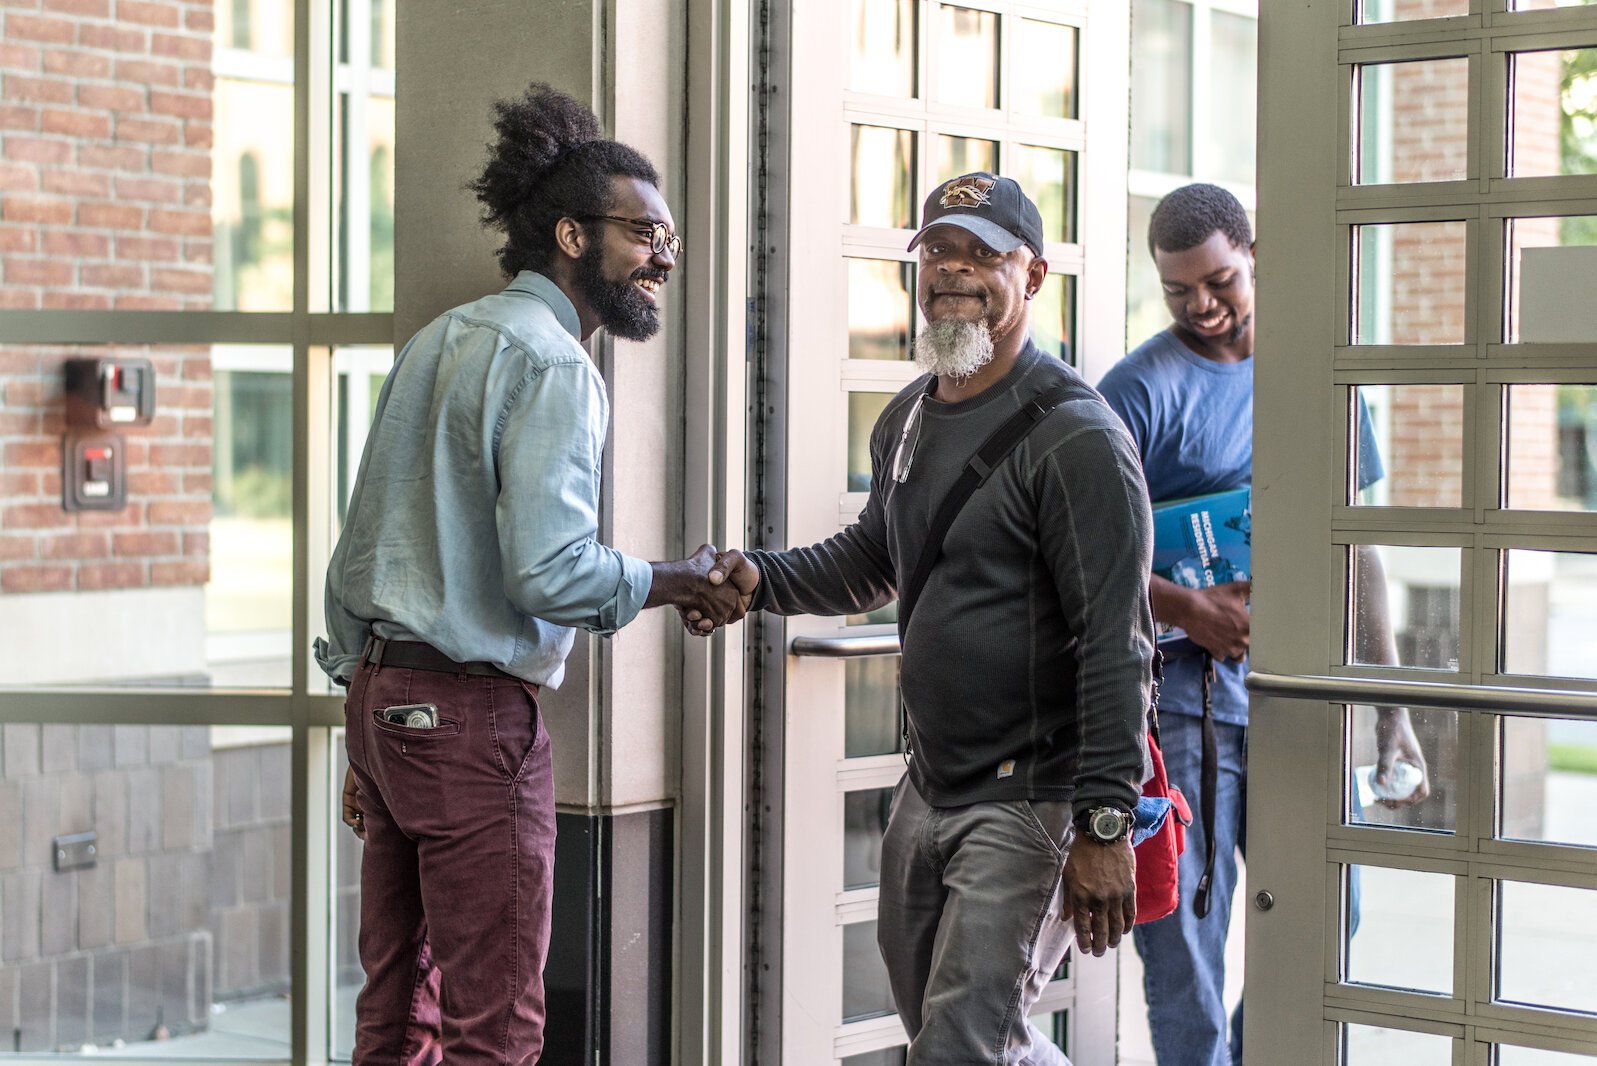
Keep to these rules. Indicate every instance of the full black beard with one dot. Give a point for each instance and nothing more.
(623, 310)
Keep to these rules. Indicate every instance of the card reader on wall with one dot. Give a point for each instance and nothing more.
(108, 393)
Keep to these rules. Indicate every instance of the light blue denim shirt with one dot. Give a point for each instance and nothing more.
(474, 521)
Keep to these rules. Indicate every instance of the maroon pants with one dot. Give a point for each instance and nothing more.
(458, 871)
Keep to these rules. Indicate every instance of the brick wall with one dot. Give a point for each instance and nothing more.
(105, 203)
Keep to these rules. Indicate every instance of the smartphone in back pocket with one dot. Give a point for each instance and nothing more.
(414, 715)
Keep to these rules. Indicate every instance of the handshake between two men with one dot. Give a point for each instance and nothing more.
(709, 588)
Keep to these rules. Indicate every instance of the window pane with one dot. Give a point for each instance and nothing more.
(1552, 266)
(1412, 452)
(1552, 447)
(250, 167)
(1508, 1055)
(964, 155)
(865, 989)
(1369, 1045)
(363, 201)
(1437, 734)
(1043, 72)
(864, 822)
(967, 57)
(1543, 5)
(1053, 316)
(1161, 86)
(1235, 62)
(892, 1056)
(1410, 283)
(186, 580)
(882, 59)
(864, 408)
(873, 713)
(1145, 310)
(1371, 11)
(1549, 613)
(883, 184)
(1401, 926)
(180, 919)
(1555, 113)
(1049, 177)
(1413, 121)
(1549, 769)
(1547, 946)
(881, 298)
(881, 616)
(1417, 603)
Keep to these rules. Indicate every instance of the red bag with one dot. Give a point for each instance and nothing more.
(1158, 857)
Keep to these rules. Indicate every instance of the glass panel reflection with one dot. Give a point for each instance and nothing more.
(174, 943)
(1043, 72)
(864, 822)
(1549, 613)
(1402, 930)
(883, 56)
(1405, 606)
(964, 155)
(866, 993)
(864, 408)
(1049, 177)
(882, 186)
(1053, 313)
(873, 714)
(1372, 11)
(1543, 253)
(967, 57)
(1508, 1055)
(1412, 452)
(1410, 283)
(1398, 145)
(1370, 1045)
(1549, 781)
(881, 300)
(1161, 87)
(1543, 5)
(1554, 113)
(1145, 307)
(1552, 447)
(1547, 946)
(1235, 67)
(1436, 732)
(881, 616)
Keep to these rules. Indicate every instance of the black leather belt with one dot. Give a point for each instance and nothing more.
(414, 655)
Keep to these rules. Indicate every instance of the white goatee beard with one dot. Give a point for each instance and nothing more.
(954, 348)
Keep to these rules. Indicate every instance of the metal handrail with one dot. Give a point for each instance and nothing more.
(851, 647)
(1536, 702)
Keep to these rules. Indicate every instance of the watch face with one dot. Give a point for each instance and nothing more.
(1107, 824)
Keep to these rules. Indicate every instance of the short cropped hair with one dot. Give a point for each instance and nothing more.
(549, 162)
(1189, 216)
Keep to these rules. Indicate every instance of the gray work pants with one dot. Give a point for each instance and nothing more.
(969, 926)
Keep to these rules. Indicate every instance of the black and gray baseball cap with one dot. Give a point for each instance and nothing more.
(995, 209)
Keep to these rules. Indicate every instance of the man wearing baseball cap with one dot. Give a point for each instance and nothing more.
(1027, 659)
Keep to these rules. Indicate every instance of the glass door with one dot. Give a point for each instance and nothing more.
(892, 97)
(1428, 249)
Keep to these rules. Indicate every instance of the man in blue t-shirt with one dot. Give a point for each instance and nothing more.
(1186, 394)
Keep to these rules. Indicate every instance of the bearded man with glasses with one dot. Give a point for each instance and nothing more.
(469, 557)
(1027, 660)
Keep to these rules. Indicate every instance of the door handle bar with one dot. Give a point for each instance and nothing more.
(853, 647)
(1535, 702)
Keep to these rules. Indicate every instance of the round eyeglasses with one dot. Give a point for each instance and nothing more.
(660, 235)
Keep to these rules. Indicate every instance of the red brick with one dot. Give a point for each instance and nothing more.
(181, 512)
(18, 361)
(45, 150)
(77, 245)
(15, 546)
(146, 249)
(75, 546)
(200, 484)
(110, 216)
(148, 131)
(18, 239)
(18, 117)
(198, 134)
(14, 483)
(149, 14)
(161, 190)
(168, 456)
(184, 223)
(142, 302)
(112, 98)
(187, 572)
(37, 209)
(113, 276)
(100, 9)
(30, 392)
(113, 38)
(102, 157)
(201, 19)
(39, 28)
(36, 579)
(198, 426)
(190, 282)
(110, 576)
(147, 72)
(46, 90)
(183, 164)
(77, 183)
(197, 369)
(77, 64)
(145, 543)
(77, 301)
(36, 272)
(145, 482)
(81, 125)
(168, 44)
(198, 79)
(14, 178)
(19, 56)
(34, 515)
(199, 251)
(197, 194)
(181, 105)
(11, 300)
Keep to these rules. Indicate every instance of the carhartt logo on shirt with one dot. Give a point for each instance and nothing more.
(1006, 769)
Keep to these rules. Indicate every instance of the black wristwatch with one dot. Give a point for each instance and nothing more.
(1105, 825)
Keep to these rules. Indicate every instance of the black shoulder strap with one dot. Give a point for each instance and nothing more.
(992, 452)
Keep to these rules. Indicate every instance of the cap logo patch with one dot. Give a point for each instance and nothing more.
(967, 192)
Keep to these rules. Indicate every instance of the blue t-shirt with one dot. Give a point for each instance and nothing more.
(1192, 419)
